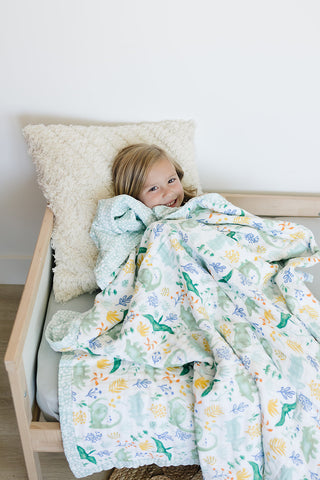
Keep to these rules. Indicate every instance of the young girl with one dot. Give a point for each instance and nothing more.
(147, 173)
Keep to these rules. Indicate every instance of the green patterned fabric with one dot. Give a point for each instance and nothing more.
(202, 347)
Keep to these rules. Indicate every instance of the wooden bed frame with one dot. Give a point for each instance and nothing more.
(21, 356)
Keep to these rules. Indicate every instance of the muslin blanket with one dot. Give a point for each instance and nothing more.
(202, 347)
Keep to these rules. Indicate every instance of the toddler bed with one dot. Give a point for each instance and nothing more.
(38, 435)
(37, 303)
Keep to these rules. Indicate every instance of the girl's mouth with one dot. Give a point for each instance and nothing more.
(171, 204)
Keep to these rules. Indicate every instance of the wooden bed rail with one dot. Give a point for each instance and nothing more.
(277, 205)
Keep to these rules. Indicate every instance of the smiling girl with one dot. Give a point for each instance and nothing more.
(147, 173)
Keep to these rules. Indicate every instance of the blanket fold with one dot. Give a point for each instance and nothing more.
(202, 347)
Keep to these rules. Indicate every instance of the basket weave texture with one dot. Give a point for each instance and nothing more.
(183, 472)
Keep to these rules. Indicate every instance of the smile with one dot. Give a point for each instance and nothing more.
(171, 204)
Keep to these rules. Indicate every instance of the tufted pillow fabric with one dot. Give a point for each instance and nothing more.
(73, 164)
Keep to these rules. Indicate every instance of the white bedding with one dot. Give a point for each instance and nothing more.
(48, 360)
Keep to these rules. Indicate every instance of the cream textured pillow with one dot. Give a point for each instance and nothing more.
(73, 166)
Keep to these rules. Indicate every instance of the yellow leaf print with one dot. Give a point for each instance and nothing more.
(103, 363)
(294, 346)
(145, 445)
(297, 235)
(233, 256)
(280, 299)
(129, 266)
(201, 382)
(210, 460)
(143, 329)
(118, 385)
(225, 330)
(79, 417)
(112, 316)
(203, 312)
(272, 407)
(206, 345)
(243, 474)
(278, 446)
(213, 411)
(267, 277)
(280, 354)
(242, 220)
(268, 316)
(254, 430)
(114, 435)
(315, 389)
(158, 410)
(165, 292)
(261, 249)
(312, 312)
(175, 244)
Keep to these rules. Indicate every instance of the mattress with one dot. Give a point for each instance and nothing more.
(48, 360)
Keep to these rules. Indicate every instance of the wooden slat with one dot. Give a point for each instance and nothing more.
(19, 332)
(46, 437)
(276, 205)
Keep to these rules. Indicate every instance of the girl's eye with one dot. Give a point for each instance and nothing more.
(172, 180)
(153, 189)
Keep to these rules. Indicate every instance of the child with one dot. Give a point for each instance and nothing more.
(147, 173)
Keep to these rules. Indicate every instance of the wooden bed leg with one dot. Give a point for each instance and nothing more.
(32, 463)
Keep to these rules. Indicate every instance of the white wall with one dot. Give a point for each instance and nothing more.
(248, 73)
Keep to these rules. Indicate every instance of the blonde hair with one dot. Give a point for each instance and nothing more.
(131, 166)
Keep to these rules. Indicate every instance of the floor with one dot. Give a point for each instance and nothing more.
(12, 467)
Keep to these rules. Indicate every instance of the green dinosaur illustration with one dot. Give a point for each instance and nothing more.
(296, 371)
(209, 387)
(167, 254)
(89, 320)
(309, 443)
(233, 235)
(81, 373)
(150, 278)
(198, 433)
(192, 287)
(86, 456)
(161, 448)
(157, 326)
(250, 271)
(226, 278)
(178, 413)
(267, 347)
(99, 414)
(116, 364)
(246, 386)
(284, 320)
(136, 408)
(123, 457)
(188, 318)
(251, 306)
(242, 338)
(233, 433)
(256, 472)
(176, 358)
(135, 352)
(286, 408)
(224, 301)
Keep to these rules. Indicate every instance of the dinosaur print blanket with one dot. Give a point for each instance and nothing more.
(202, 347)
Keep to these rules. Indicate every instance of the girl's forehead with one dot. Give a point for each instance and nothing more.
(161, 168)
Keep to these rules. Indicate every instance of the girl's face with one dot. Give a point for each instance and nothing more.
(162, 186)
